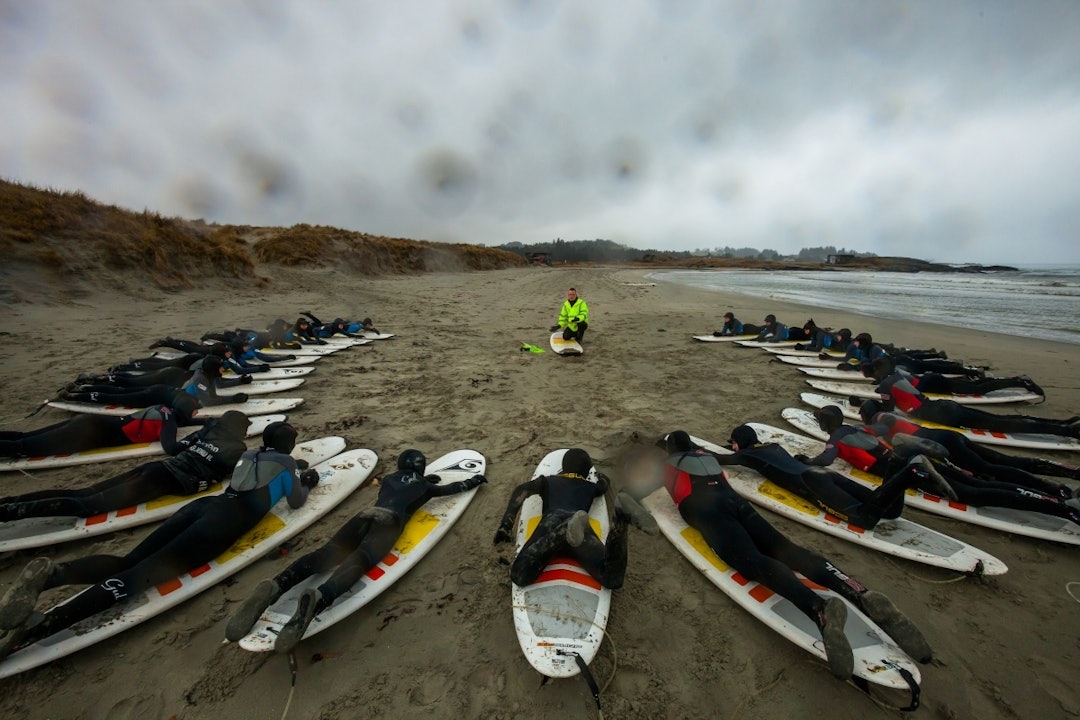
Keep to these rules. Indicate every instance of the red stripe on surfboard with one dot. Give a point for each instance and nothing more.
(568, 576)
(836, 521)
(97, 519)
(124, 512)
(998, 435)
(375, 573)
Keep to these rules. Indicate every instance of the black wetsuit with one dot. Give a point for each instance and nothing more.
(831, 491)
(562, 496)
(997, 479)
(199, 461)
(368, 536)
(745, 540)
(199, 532)
(937, 383)
(948, 412)
(88, 432)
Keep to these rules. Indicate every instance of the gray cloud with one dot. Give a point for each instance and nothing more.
(942, 130)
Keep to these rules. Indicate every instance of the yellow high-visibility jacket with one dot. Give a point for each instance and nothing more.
(571, 315)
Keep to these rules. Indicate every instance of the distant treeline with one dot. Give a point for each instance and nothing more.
(599, 250)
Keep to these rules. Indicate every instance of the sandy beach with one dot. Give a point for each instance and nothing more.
(441, 642)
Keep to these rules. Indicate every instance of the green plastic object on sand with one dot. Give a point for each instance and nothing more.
(531, 348)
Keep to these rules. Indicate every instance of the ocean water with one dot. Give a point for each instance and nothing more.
(1037, 301)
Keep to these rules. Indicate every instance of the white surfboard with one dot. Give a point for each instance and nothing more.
(853, 375)
(306, 350)
(42, 531)
(899, 537)
(368, 335)
(816, 362)
(339, 477)
(119, 452)
(565, 347)
(276, 372)
(878, 660)
(422, 532)
(1032, 441)
(767, 343)
(300, 361)
(995, 397)
(723, 338)
(262, 387)
(833, 373)
(566, 610)
(790, 351)
(343, 341)
(1018, 522)
(254, 406)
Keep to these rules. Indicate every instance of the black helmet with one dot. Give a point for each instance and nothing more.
(412, 460)
(576, 461)
(280, 436)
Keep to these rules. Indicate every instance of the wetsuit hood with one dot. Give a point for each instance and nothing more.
(280, 436)
(829, 418)
(868, 409)
(577, 462)
(679, 441)
(234, 422)
(882, 368)
(185, 406)
(412, 460)
(211, 365)
(744, 436)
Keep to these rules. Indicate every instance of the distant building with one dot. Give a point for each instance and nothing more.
(838, 259)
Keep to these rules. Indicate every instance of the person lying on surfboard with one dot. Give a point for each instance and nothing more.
(868, 452)
(340, 326)
(88, 432)
(190, 360)
(275, 336)
(937, 383)
(772, 331)
(573, 317)
(564, 527)
(831, 491)
(897, 391)
(198, 532)
(239, 354)
(197, 462)
(743, 539)
(824, 339)
(357, 547)
(972, 458)
(732, 327)
(202, 385)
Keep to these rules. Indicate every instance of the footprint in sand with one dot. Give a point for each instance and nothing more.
(431, 689)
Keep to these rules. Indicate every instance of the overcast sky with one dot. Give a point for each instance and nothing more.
(947, 130)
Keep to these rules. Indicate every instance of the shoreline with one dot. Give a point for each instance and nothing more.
(442, 639)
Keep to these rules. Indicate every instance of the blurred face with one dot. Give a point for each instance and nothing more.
(571, 295)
